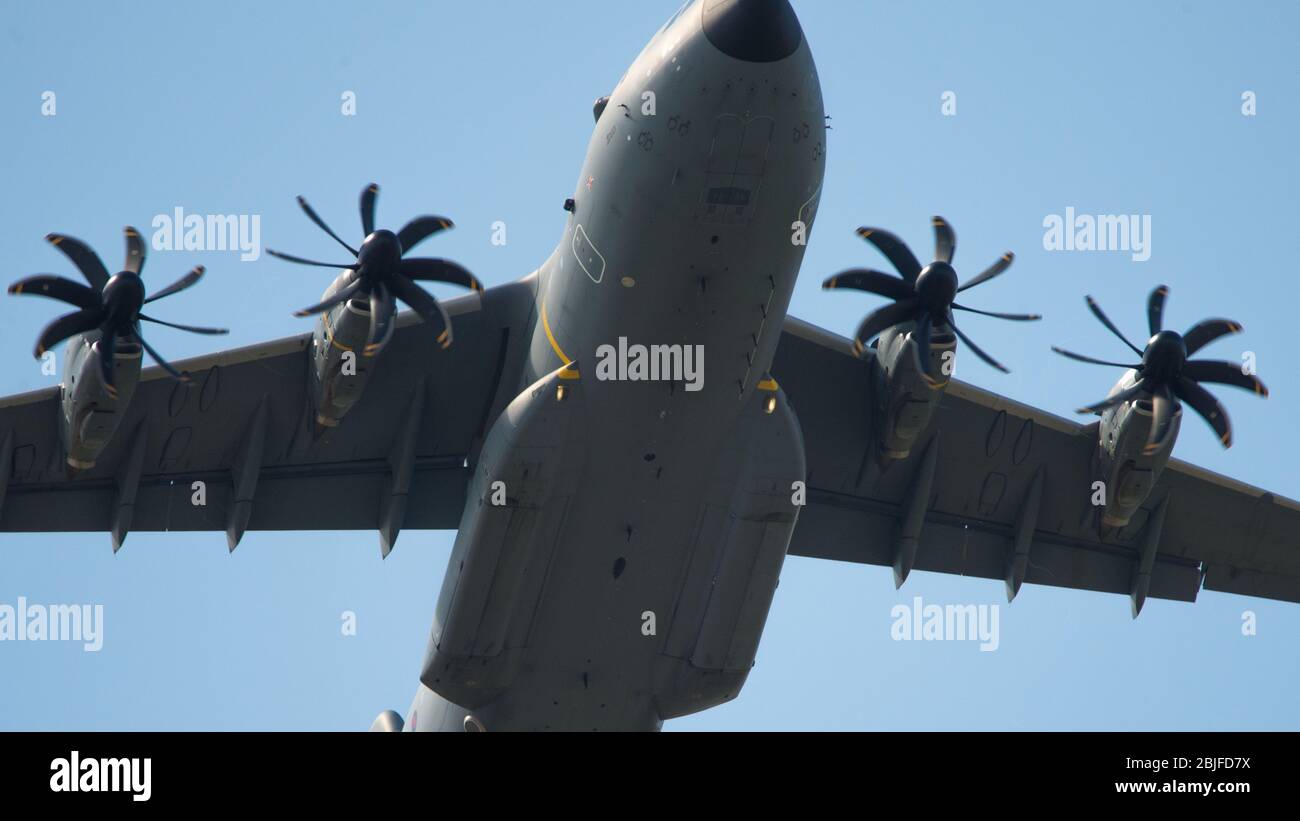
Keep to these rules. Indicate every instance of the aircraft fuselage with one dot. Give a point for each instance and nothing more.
(600, 578)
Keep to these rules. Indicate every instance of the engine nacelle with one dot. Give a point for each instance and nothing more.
(90, 415)
(340, 367)
(904, 395)
(1121, 463)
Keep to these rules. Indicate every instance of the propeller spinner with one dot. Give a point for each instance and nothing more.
(922, 295)
(1168, 375)
(109, 304)
(381, 273)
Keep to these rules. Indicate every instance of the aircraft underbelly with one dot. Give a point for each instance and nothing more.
(619, 583)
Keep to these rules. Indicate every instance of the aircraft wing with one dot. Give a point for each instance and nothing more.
(245, 430)
(1011, 496)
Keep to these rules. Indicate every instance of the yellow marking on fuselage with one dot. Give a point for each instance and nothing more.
(555, 346)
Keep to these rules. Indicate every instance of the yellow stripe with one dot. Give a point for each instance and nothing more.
(329, 334)
(768, 384)
(555, 346)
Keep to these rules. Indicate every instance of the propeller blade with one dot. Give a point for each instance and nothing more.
(430, 269)
(134, 251)
(895, 250)
(945, 239)
(1131, 392)
(873, 282)
(1105, 320)
(424, 304)
(1156, 309)
(976, 348)
(1206, 331)
(1223, 373)
(921, 338)
(1204, 403)
(156, 357)
(882, 318)
(194, 329)
(321, 224)
(86, 260)
(994, 270)
(442, 328)
(60, 288)
(77, 322)
(1016, 317)
(341, 295)
(301, 261)
(1162, 415)
(107, 347)
(420, 229)
(368, 197)
(382, 308)
(1081, 358)
(195, 274)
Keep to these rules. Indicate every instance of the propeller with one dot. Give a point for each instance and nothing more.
(1167, 375)
(110, 305)
(922, 295)
(380, 272)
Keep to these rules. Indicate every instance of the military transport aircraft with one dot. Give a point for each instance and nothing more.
(621, 520)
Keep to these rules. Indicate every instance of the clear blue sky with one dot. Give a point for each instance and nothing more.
(482, 111)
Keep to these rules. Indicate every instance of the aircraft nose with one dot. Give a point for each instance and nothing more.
(757, 31)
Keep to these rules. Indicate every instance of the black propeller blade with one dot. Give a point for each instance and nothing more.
(1167, 375)
(112, 306)
(86, 260)
(383, 276)
(922, 295)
